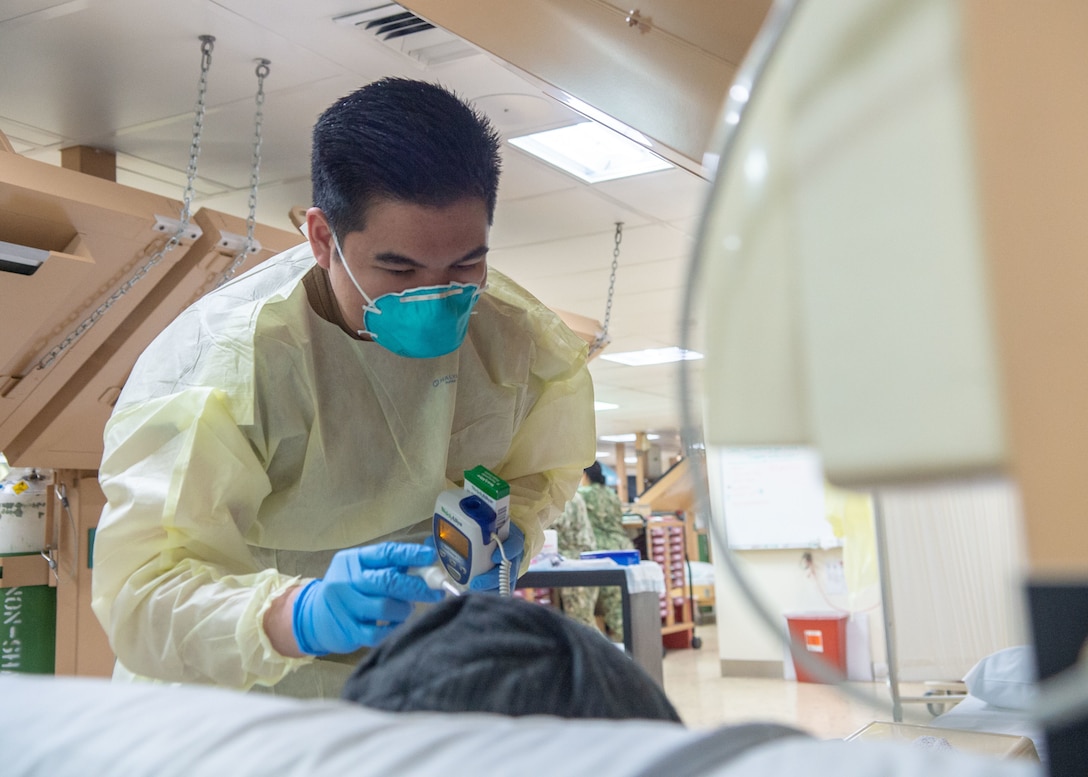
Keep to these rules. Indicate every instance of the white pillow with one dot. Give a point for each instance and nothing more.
(1005, 678)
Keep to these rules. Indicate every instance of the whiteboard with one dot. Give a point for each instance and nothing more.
(770, 497)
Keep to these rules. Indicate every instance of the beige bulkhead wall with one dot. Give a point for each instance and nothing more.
(1028, 85)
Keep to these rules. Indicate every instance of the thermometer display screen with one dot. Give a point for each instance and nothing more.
(452, 536)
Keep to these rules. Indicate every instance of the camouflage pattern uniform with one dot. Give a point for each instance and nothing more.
(574, 536)
(606, 518)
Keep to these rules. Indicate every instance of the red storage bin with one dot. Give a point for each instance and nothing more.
(677, 640)
(823, 635)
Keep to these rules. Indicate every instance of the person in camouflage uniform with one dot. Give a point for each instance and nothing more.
(606, 517)
(575, 535)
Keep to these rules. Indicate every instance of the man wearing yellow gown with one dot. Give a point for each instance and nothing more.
(271, 466)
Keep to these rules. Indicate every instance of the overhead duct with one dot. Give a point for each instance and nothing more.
(661, 69)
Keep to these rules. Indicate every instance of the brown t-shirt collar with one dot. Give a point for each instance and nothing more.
(323, 301)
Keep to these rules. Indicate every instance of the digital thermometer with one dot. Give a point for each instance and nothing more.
(466, 533)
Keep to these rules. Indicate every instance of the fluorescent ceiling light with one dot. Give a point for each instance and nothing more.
(652, 356)
(599, 406)
(591, 151)
(20, 259)
(626, 437)
(630, 459)
(604, 455)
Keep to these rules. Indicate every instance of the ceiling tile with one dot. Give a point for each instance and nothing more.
(563, 257)
(665, 195)
(523, 177)
(555, 216)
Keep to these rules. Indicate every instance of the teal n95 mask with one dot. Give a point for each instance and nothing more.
(419, 323)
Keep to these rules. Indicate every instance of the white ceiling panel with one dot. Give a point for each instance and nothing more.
(18, 12)
(517, 114)
(273, 203)
(655, 320)
(162, 179)
(660, 277)
(557, 215)
(562, 258)
(24, 137)
(689, 226)
(664, 195)
(658, 379)
(523, 176)
(110, 66)
(653, 313)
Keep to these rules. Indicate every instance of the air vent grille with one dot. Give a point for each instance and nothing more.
(401, 30)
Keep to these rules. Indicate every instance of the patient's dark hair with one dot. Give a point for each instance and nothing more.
(485, 653)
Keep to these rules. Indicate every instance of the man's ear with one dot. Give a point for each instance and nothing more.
(319, 233)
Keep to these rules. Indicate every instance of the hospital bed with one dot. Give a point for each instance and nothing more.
(1000, 690)
(61, 726)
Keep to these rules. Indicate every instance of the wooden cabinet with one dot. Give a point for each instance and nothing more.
(665, 542)
(673, 493)
(668, 507)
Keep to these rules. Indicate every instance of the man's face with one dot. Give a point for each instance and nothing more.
(404, 246)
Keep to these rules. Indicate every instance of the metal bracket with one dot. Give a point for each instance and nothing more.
(235, 244)
(171, 226)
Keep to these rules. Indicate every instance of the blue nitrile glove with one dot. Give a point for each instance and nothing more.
(513, 546)
(340, 613)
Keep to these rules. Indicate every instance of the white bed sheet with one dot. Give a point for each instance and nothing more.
(973, 714)
(64, 727)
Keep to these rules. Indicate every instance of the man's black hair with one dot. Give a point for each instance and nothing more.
(486, 653)
(411, 141)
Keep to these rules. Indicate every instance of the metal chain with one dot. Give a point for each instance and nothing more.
(254, 173)
(602, 338)
(206, 45)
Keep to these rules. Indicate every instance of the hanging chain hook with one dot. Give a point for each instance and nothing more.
(602, 337)
(254, 174)
(207, 43)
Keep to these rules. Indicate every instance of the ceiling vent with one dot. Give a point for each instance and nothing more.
(401, 30)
